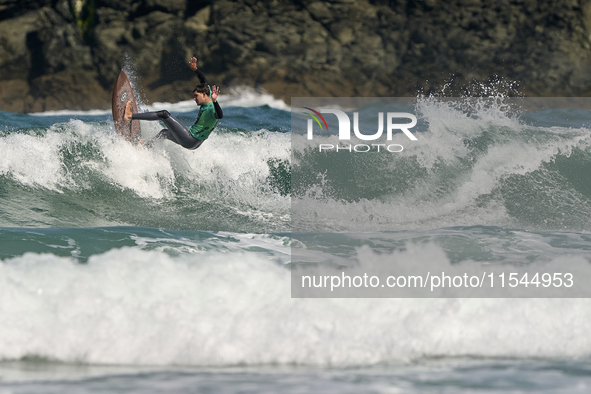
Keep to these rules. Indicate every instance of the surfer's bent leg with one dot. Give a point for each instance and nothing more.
(177, 132)
(158, 115)
(164, 134)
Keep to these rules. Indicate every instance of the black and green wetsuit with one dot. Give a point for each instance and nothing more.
(207, 119)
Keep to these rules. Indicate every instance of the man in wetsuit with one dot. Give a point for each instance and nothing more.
(209, 115)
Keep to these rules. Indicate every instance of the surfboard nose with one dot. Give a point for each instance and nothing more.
(122, 94)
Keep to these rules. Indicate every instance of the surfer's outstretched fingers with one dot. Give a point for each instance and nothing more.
(128, 114)
(193, 63)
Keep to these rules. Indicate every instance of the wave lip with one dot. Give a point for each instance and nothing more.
(476, 162)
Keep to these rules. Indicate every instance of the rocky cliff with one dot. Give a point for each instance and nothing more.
(57, 54)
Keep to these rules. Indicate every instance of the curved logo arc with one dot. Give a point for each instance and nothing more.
(316, 119)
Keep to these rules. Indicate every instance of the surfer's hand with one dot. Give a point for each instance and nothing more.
(128, 113)
(193, 63)
(214, 92)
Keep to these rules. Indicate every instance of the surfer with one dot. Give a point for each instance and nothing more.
(209, 114)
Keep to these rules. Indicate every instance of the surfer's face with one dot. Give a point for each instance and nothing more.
(199, 97)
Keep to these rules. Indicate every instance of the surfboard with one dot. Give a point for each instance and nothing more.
(122, 93)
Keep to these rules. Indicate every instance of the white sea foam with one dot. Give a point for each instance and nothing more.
(237, 97)
(68, 112)
(33, 161)
(236, 165)
(223, 308)
(510, 148)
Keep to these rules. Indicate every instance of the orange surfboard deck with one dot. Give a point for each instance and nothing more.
(122, 93)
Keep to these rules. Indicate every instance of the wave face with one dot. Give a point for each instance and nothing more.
(475, 163)
(59, 171)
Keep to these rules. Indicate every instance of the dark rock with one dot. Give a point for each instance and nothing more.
(14, 8)
(73, 90)
(176, 7)
(320, 11)
(53, 50)
(127, 6)
(57, 46)
(15, 57)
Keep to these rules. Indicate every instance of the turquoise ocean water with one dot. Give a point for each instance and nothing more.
(152, 270)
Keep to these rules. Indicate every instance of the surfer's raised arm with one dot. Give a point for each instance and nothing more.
(215, 90)
(200, 75)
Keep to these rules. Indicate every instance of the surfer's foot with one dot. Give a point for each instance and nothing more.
(128, 113)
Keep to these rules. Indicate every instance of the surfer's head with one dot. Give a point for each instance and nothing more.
(201, 94)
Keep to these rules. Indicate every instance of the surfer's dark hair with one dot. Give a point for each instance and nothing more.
(202, 88)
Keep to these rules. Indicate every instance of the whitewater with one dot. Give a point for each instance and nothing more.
(127, 268)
